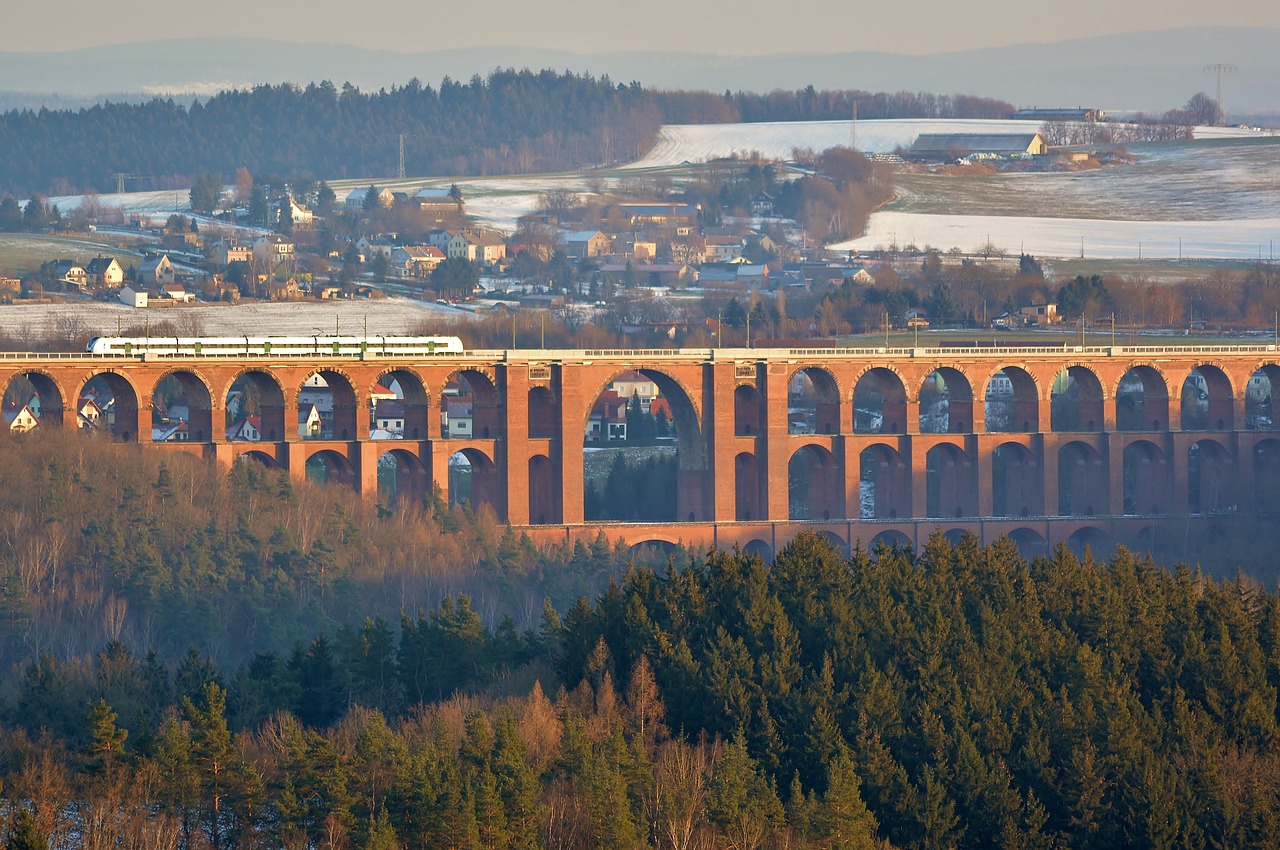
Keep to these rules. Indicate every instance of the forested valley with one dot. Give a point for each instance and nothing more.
(509, 122)
(202, 659)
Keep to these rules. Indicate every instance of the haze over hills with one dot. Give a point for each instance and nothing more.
(1151, 71)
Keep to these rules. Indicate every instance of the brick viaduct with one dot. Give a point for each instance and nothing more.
(1085, 444)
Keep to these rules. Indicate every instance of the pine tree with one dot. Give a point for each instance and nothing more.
(106, 740)
(23, 834)
(842, 818)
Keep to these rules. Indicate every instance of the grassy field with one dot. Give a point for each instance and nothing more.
(23, 253)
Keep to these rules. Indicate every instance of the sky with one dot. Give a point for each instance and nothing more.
(727, 27)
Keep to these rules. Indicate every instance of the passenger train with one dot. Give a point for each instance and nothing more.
(274, 346)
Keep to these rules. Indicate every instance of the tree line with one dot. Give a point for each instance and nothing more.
(962, 697)
(508, 122)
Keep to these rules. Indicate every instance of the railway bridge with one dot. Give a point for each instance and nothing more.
(1043, 443)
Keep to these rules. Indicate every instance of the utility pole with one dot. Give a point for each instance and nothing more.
(1220, 68)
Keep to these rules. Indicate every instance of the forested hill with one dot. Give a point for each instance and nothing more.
(958, 698)
(510, 122)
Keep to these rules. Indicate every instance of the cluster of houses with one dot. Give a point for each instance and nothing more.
(608, 421)
(94, 409)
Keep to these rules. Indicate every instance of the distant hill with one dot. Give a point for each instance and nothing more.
(1150, 71)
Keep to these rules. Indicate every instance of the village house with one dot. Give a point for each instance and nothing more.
(439, 202)
(479, 247)
(176, 293)
(272, 250)
(419, 261)
(584, 244)
(762, 204)
(225, 252)
(133, 295)
(155, 270)
(70, 273)
(355, 199)
(668, 213)
(104, 272)
(301, 216)
(608, 420)
(248, 429)
(20, 420)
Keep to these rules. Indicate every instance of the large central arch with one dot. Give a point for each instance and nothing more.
(693, 492)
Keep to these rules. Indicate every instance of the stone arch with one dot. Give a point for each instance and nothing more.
(331, 467)
(814, 485)
(949, 481)
(883, 483)
(1082, 481)
(182, 407)
(1012, 401)
(880, 402)
(1145, 539)
(544, 495)
(403, 479)
(653, 549)
(748, 411)
(254, 404)
(692, 491)
(1030, 543)
(813, 402)
(1146, 479)
(266, 459)
(470, 406)
(748, 498)
(118, 403)
(955, 535)
(544, 413)
(890, 538)
(1091, 540)
(946, 402)
(1077, 400)
(1266, 476)
(1261, 396)
(837, 542)
(50, 400)
(327, 405)
(412, 402)
(1210, 477)
(759, 548)
(1142, 399)
(474, 481)
(1017, 486)
(1207, 402)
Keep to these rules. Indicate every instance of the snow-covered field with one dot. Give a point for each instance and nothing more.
(1241, 239)
(1220, 194)
(294, 318)
(681, 143)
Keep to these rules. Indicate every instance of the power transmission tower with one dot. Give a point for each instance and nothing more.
(120, 177)
(853, 131)
(400, 172)
(1221, 68)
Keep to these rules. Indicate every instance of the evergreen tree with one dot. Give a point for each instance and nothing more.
(23, 834)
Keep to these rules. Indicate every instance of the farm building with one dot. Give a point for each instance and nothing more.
(945, 147)
(1080, 113)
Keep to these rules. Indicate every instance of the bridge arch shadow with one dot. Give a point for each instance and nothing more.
(1076, 401)
(1012, 402)
(946, 402)
(403, 479)
(760, 548)
(1096, 541)
(40, 395)
(879, 403)
(1031, 544)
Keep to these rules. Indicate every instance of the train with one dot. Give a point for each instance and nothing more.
(274, 346)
